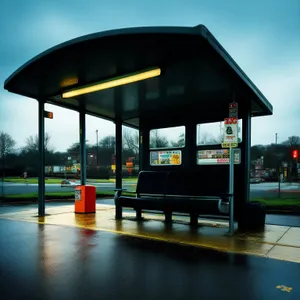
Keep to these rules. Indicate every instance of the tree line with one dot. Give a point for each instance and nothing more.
(15, 162)
(275, 154)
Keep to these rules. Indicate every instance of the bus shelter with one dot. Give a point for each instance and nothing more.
(147, 78)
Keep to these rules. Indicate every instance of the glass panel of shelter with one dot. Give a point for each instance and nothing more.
(208, 141)
(166, 144)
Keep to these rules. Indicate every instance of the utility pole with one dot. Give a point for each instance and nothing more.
(276, 138)
(3, 173)
(97, 147)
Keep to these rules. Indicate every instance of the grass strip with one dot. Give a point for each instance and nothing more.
(57, 195)
(293, 201)
(58, 180)
(273, 202)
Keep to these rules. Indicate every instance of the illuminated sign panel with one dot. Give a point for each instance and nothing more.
(165, 158)
(217, 157)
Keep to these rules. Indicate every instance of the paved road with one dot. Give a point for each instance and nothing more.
(56, 262)
(267, 190)
(273, 186)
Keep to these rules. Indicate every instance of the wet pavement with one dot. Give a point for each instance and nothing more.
(56, 262)
(283, 220)
(273, 219)
(279, 242)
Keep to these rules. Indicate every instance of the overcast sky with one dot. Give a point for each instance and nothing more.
(263, 36)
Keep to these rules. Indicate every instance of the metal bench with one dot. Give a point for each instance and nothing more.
(175, 192)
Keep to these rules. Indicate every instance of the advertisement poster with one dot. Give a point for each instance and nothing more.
(217, 157)
(165, 158)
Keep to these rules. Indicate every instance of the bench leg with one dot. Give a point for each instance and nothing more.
(119, 212)
(138, 213)
(168, 216)
(194, 219)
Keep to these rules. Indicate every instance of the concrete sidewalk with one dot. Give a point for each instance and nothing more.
(278, 242)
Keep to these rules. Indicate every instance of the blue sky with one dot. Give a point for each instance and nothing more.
(262, 36)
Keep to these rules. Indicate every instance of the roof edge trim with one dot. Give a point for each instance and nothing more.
(220, 49)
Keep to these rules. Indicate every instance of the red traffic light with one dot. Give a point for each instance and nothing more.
(295, 154)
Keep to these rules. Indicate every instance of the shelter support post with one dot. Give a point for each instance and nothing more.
(231, 191)
(243, 192)
(246, 154)
(190, 150)
(118, 154)
(41, 148)
(82, 140)
(141, 149)
(144, 154)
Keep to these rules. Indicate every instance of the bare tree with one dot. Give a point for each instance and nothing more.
(180, 142)
(32, 143)
(7, 144)
(157, 141)
(292, 141)
(107, 142)
(131, 140)
(207, 139)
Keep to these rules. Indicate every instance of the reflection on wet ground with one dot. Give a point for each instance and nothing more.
(280, 242)
(58, 262)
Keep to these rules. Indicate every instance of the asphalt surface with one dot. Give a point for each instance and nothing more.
(266, 190)
(55, 262)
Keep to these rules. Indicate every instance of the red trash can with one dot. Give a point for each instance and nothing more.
(85, 199)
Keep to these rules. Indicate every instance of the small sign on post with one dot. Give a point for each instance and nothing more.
(233, 110)
(48, 114)
(230, 135)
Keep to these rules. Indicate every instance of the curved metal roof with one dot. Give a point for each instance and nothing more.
(108, 33)
(103, 55)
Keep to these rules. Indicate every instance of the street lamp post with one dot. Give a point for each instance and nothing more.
(97, 146)
(279, 162)
(3, 173)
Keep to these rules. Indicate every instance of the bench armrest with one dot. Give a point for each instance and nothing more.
(118, 194)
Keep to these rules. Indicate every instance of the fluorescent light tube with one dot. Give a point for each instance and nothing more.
(112, 83)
